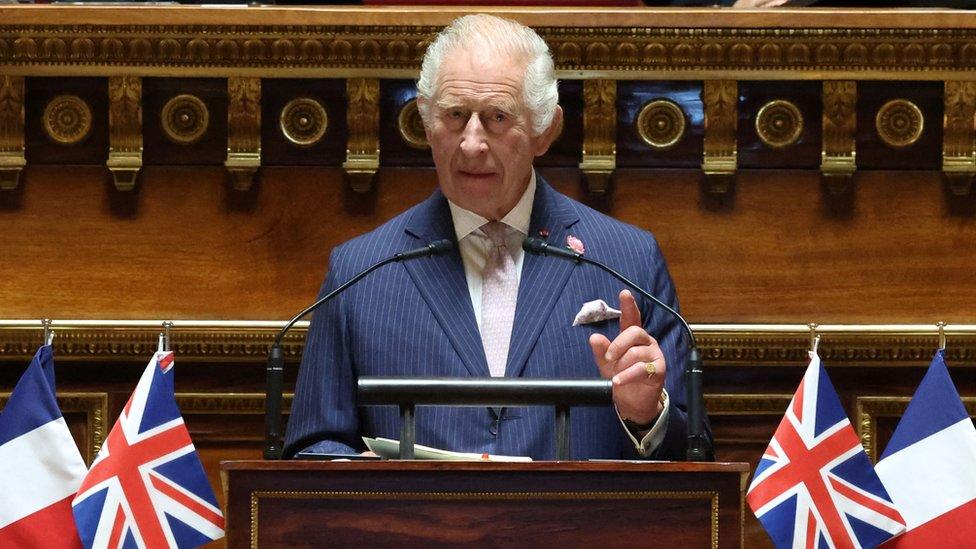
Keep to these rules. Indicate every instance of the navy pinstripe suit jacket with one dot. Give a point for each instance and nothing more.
(415, 319)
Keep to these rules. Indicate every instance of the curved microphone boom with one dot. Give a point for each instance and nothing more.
(697, 442)
(276, 361)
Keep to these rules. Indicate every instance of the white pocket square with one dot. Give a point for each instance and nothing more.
(595, 311)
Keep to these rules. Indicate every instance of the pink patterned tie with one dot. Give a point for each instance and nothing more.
(498, 294)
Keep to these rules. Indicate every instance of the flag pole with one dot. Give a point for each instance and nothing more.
(48, 334)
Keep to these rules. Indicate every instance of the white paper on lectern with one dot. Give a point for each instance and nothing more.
(390, 449)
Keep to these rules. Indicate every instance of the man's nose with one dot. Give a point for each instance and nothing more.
(473, 140)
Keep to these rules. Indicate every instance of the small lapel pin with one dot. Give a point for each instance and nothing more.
(544, 233)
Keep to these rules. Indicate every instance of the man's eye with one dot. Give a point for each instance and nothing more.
(456, 114)
(500, 117)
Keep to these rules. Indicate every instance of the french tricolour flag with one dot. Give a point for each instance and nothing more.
(40, 466)
(929, 467)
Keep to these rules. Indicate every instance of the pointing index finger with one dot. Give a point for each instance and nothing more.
(629, 313)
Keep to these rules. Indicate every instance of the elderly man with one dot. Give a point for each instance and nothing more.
(488, 97)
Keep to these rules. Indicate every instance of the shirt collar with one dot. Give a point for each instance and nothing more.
(467, 222)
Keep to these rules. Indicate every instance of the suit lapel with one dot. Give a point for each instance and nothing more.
(443, 285)
(543, 278)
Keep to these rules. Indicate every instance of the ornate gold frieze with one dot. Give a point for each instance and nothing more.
(599, 133)
(94, 408)
(870, 408)
(839, 124)
(720, 99)
(12, 160)
(411, 126)
(243, 130)
(959, 136)
(899, 123)
(393, 50)
(728, 346)
(363, 119)
(661, 124)
(779, 123)
(185, 119)
(303, 121)
(125, 130)
(67, 119)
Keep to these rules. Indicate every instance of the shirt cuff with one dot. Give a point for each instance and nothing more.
(652, 438)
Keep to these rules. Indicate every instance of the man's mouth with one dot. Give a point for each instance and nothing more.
(476, 175)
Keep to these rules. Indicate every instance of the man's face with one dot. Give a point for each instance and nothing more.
(480, 133)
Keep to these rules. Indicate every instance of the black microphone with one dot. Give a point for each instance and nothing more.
(276, 360)
(697, 442)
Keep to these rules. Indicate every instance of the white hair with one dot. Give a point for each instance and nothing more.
(489, 35)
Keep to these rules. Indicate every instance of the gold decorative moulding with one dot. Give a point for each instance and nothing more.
(185, 119)
(363, 145)
(599, 133)
(303, 121)
(411, 126)
(125, 130)
(12, 159)
(661, 124)
(899, 123)
(67, 119)
(779, 123)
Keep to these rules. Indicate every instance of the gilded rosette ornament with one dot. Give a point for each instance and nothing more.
(12, 160)
(959, 136)
(839, 125)
(599, 133)
(303, 122)
(185, 119)
(661, 124)
(779, 123)
(67, 119)
(721, 103)
(243, 130)
(411, 126)
(899, 123)
(125, 130)
(363, 119)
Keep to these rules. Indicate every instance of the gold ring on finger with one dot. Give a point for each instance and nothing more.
(650, 368)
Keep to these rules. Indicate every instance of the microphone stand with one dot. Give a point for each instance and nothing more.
(276, 361)
(697, 447)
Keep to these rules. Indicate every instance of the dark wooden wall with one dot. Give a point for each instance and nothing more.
(186, 245)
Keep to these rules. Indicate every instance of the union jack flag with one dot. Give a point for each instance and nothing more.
(146, 487)
(815, 487)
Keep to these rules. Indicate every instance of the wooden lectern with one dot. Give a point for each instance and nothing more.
(538, 504)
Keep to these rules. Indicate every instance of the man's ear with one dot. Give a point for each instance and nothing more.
(545, 139)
